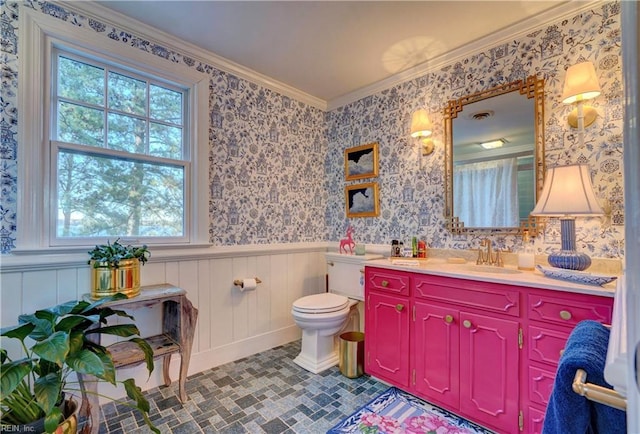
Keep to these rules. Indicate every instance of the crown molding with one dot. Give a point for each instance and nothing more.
(551, 16)
(129, 25)
(118, 20)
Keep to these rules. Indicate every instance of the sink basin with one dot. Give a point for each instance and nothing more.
(488, 269)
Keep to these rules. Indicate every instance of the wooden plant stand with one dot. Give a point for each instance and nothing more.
(179, 319)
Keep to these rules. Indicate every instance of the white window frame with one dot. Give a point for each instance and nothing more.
(38, 35)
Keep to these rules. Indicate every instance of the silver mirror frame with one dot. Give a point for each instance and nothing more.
(532, 87)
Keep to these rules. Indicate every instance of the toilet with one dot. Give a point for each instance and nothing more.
(322, 317)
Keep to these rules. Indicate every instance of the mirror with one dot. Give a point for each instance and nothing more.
(494, 186)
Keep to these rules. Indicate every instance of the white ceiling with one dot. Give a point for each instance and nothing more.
(328, 49)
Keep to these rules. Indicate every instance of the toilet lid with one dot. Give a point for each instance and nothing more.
(320, 303)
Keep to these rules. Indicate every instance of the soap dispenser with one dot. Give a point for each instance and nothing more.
(526, 256)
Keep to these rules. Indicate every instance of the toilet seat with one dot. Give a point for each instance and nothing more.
(320, 303)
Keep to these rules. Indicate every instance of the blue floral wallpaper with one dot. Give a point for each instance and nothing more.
(412, 186)
(277, 167)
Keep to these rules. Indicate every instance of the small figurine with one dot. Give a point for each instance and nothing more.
(347, 242)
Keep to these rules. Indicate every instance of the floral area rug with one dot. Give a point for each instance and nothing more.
(397, 412)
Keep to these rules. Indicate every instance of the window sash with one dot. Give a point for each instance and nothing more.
(40, 35)
(106, 150)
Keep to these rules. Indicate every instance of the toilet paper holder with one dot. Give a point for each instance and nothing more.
(238, 282)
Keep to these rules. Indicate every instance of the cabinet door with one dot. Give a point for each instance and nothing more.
(489, 355)
(435, 335)
(387, 338)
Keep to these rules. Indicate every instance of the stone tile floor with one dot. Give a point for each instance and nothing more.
(263, 393)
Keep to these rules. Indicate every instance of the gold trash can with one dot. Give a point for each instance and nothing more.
(351, 361)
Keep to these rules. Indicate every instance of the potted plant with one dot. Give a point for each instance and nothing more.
(116, 268)
(64, 342)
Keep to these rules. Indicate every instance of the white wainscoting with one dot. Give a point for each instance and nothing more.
(231, 324)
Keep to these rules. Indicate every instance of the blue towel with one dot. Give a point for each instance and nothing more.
(568, 412)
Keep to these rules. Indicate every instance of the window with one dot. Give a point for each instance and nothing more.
(118, 142)
(119, 152)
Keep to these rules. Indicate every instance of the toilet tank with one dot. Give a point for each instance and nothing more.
(346, 274)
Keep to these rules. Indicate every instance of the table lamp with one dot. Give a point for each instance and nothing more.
(568, 192)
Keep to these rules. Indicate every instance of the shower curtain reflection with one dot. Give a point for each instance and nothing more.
(487, 193)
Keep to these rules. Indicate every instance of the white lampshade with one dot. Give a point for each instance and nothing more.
(420, 124)
(580, 83)
(567, 190)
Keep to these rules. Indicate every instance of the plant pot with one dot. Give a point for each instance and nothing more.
(68, 426)
(107, 280)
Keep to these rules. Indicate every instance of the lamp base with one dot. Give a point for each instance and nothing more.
(570, 260)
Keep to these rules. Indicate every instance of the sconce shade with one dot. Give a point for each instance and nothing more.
(567, 190)
(580, 83)
(421, 124)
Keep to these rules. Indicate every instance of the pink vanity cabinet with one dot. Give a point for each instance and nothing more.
(551, 315)
(387, 318)
(486, 351)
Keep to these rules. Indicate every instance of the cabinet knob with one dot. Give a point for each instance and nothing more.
(384, 283)
(565, 315)
(448, 319)
(330, 263)
(466, 323)
(399, 307)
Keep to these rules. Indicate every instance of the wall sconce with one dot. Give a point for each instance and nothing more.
(421, 128)
(581, 84)
(568, 192)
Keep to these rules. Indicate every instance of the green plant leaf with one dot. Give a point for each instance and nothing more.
(109, 373)
(76, 341)
(54, 348)
(106, 312)
(86, 362)
(20, 406)
(70, 321)
(122, 330)
(44, 367)
(12, 374)
(45, 314)
(47, 390)
(3, 355)
(20, 331)
(80, 307)
(148, 352)
(60, 310)
(43, 327)
(93, 307)
(52, 420)
(147, 420)
(135, 393)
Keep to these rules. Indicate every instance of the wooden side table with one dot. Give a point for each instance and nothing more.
(179, 319)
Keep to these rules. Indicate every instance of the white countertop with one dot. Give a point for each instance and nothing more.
(532, 279)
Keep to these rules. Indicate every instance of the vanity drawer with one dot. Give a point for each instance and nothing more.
(389, 281)
(503, 299)
(546, 345)
(569, 310)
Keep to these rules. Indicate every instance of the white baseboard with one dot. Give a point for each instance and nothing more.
(237, 350)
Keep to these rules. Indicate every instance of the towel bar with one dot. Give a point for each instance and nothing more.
(597, 393)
